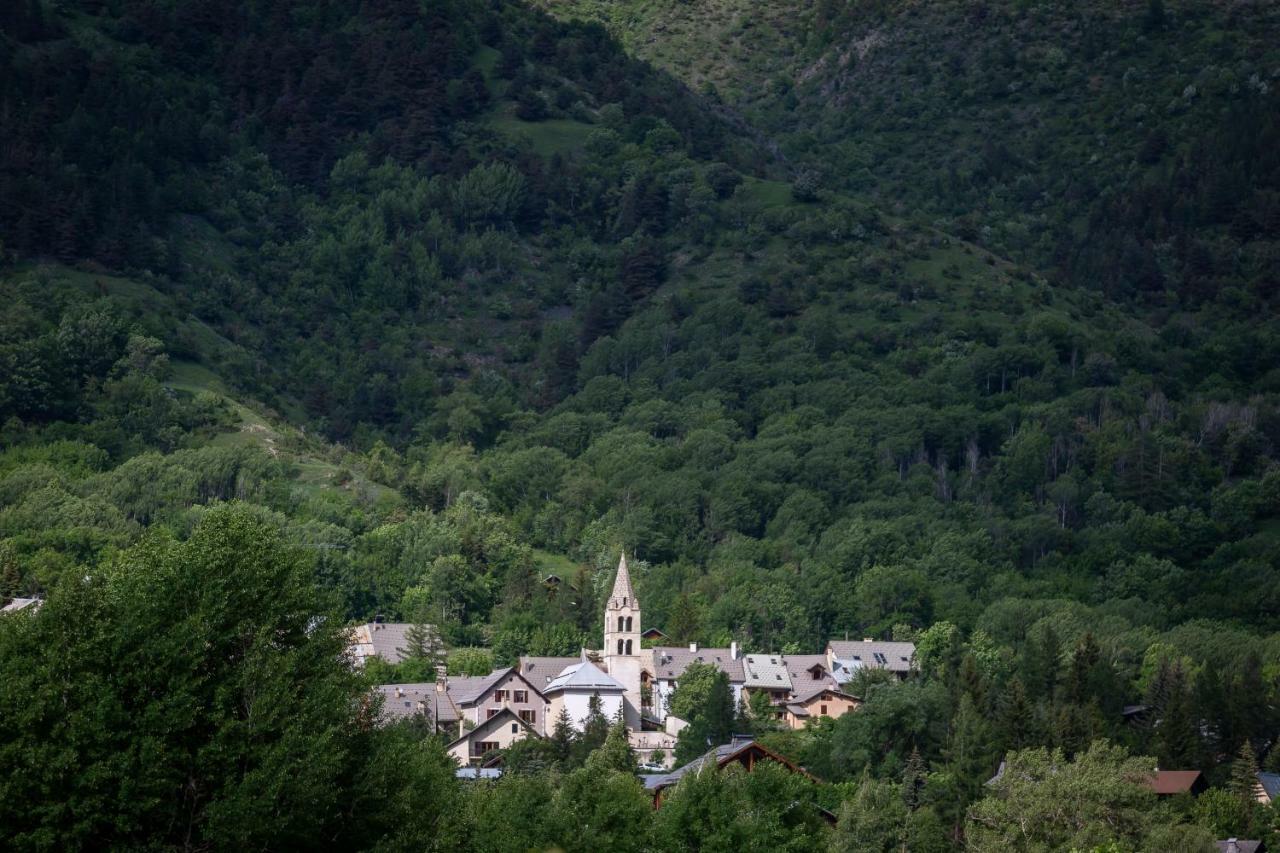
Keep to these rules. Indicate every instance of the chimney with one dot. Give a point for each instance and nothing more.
(693, 647)
(1232, 846)
(399, 693)
(867, 640)
(442, 678)
(733, 650)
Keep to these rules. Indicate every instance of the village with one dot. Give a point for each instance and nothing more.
(632, 679)
(625, 679)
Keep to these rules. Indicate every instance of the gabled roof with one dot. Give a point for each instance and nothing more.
(807, 696)
(539, 671)
(721, 756)
(623, 595)
(896, 657)
(387, 640)
(506, 715)
(766, 672)
(1239, 845)
(468, 690)
(401, 701)
(584, 675)
(671, 661)
(1175, 781)
(22, 604)
(1270, 783)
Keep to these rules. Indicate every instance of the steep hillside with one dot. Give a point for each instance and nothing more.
(1127, 147)
(948, 322)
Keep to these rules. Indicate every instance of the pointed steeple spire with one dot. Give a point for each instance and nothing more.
(623, 595)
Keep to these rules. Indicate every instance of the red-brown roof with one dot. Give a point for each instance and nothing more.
(1174, 781)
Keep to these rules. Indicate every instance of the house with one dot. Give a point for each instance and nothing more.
(1236, 845)
(818, 702)
(386, 640)
(480, 697)
(498, 732)
(430, 699)
(573, 689)
(653, 635)
(845, 657)
(670, 662)
(766, 674)
(1267, 790)
(741, 750)
(1167, 783)
(14, 605)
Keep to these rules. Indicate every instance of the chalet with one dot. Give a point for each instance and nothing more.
(498, 732)
(818, 702)
(742, 751)
(1168, 783)
(845, 657)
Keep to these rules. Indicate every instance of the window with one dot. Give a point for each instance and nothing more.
(486, 746)
(621, 622)
(628, 647)
(499, 695)
(491, 713)
(527, 716)
(822, 709)
(522, 696)
(515, 728)
(628, 623)
(620, 646)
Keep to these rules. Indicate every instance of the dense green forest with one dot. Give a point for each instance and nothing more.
(947, 322)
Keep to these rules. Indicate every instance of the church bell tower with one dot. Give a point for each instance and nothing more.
(621, 650)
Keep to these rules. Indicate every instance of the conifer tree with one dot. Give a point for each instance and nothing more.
(1244, 773)
(913, 778)
(563, 738)
(1015, 720)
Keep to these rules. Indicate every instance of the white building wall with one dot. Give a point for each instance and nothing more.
(578, 706)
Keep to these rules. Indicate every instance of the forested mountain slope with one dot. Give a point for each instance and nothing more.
(950, 322)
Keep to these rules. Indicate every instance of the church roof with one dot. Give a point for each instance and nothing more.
(583, 675)
(623, 594)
